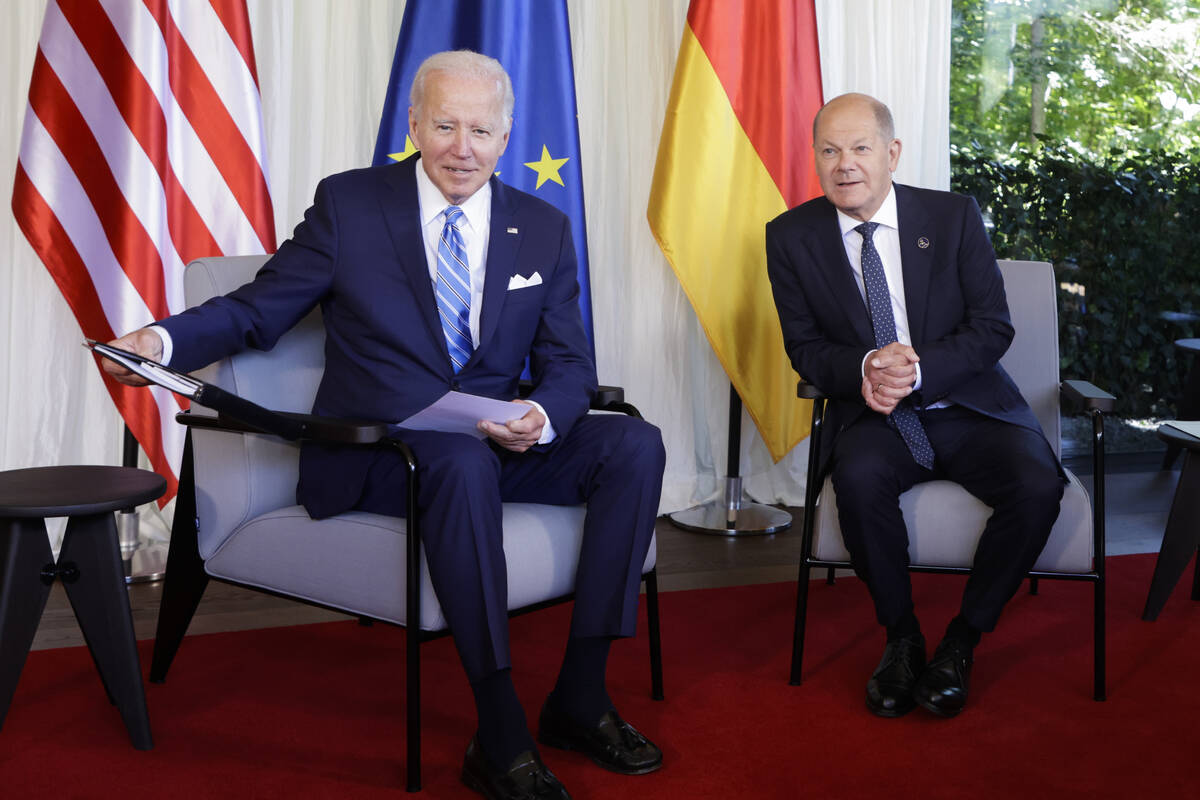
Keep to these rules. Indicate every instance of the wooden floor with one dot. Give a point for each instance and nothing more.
(685, 561)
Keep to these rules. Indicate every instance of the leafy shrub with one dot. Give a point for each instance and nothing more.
(1124, 238)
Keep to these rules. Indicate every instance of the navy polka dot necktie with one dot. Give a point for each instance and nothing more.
(879, 304)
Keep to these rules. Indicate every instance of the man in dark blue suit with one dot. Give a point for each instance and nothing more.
(432, 275)
(892, 304)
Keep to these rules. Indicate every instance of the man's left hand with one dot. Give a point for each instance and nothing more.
(518, 435)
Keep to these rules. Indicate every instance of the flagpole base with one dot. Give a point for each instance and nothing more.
(144, 561)
(733, 517)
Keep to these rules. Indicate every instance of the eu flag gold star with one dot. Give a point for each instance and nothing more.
(409, 149)
(547, 169)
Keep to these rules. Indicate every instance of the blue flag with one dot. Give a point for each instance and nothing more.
(532, 39)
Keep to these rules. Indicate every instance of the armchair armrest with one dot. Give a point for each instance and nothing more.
(291, 425)
(808, 391)
(1084, 396)
(331, 430)
(607, 398)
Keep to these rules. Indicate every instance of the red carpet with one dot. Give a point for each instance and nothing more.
(317, 711)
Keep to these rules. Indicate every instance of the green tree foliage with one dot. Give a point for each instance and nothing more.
(1076, 125)
(1098, 75)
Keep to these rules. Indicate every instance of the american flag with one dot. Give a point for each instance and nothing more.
(142, 149)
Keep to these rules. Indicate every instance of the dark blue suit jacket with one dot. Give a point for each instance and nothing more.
(957, 312)
(360, 255)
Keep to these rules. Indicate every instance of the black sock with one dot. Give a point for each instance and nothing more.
(963, 631)
(580, 690)
(503, 732)
(906, 626)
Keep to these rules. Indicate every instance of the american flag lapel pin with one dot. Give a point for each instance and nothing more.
(513, 230)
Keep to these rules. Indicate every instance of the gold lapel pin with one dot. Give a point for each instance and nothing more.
(923, 243)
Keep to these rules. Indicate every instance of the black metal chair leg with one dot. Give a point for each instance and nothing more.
(652, 623)
(185, 579)
(101, 602)
(24, 552)
(801, 622)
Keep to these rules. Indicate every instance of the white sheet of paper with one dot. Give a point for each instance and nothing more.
(456, 412)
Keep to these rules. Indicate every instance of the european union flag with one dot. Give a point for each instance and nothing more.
(532, 39)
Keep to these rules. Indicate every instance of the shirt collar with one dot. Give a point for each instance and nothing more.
(476, 208)
(885, 216)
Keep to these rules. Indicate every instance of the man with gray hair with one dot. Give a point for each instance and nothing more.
(432, 275)
(892, 304)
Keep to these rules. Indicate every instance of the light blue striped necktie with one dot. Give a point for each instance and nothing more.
(454, 289)
(879, 305)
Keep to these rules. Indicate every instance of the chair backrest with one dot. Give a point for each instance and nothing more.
(1032, 359)
(241, 477)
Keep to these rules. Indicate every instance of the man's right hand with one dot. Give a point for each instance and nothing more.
(888, 376)
(145, 343)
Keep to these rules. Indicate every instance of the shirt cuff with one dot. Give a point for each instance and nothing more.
(166, 342)
(548, 432)
(917, 385)
(862, 368)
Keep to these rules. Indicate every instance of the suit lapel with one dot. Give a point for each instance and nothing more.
(831, 260)
(402, 212)
(504, 240)
(917, 248)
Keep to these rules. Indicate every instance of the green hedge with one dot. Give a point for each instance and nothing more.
(1128, 232)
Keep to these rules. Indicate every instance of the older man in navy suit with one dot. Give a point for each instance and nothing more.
(433, 275)
(891, 303)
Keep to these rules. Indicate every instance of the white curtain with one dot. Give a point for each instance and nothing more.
(323, 66)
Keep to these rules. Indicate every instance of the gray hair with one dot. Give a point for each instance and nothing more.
(464, 63)
(883, 115)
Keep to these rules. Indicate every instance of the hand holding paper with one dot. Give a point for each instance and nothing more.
(456, 412)
(519, 434)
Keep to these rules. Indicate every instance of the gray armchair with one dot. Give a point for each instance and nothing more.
(237, 520)
(944, 520)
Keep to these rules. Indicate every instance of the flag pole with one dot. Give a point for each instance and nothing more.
(144, 560)
(735, 515)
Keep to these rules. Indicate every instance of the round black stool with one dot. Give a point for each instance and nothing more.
(89, 565)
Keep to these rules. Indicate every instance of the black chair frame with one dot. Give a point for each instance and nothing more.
(186, 578)
(1076, 396)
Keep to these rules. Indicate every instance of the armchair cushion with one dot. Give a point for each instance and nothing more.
(949, 521)
(363, 557)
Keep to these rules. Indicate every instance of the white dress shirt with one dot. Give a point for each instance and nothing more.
(887, 244)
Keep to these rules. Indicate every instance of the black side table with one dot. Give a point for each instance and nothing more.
(1182, 535)
(89, 565)
(1189, 403)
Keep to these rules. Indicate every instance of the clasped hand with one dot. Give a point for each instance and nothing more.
(888, 376)
(517, 435)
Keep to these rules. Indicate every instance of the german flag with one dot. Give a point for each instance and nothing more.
(736, 151)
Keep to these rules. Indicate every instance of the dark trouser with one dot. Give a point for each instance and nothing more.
(613, 463)
(1008, 467)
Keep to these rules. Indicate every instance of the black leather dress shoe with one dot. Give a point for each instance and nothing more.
(890, 690)
(942, 687)
(526, 779)
(612, 743)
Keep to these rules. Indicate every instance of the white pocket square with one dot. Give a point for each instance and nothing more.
(521, 282)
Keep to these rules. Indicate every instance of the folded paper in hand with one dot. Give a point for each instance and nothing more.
(456, 412)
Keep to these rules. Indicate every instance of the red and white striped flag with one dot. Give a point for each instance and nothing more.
(142, 149)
